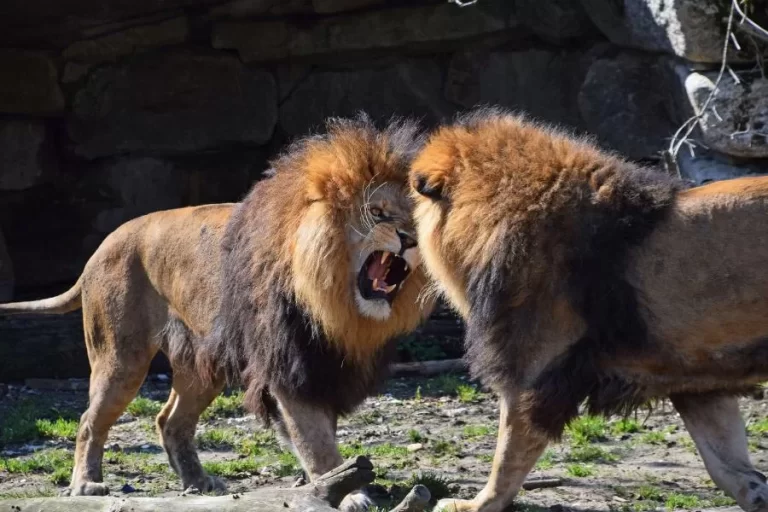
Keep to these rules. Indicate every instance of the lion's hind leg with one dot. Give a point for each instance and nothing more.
(176, 426)
(716, 426)
(112, 387)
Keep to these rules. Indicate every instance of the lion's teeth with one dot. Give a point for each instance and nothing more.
(385, 256)
(389, 289)
(405, 267)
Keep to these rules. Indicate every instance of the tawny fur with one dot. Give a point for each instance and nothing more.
(583, 277)
(160, 282)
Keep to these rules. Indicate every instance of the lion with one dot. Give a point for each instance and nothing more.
(584, 278)
(298, 292)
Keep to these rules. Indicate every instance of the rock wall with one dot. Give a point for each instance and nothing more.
(110, 109)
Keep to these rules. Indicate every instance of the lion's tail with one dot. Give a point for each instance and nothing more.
(64, 303)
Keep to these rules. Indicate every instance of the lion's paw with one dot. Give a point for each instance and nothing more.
(357, 501)
(455, 505)
(213, 485)
(756, 496)
(87, 489)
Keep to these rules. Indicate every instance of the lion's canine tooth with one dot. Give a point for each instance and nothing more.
(405, 267)
(385, 256)
(389, 288)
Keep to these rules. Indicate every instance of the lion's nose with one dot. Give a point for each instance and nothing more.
(406, 240)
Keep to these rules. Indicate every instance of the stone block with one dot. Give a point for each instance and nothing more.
(692, 29)
(736, 120)
(383, 29)
(129, 41)
(408, 88)
(539, 82)
(29, 84)
(624, 100)
(27, 155)
(173, 103)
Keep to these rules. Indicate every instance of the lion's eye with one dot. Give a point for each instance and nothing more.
(377, 213)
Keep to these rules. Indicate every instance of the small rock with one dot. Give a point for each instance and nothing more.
(125, 418)
(145, 447)
(162, 377)
(414, 447)
(190, 491)
(456, 412)
(114, 447)
(127, 489)
(619, 499)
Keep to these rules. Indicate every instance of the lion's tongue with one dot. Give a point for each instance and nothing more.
(377, 271)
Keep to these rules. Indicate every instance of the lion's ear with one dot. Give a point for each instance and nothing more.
(421, 184)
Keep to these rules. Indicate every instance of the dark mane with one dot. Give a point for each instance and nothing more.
(576, 247)
(262, 338)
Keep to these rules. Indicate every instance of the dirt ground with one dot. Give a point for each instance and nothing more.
(439, 431)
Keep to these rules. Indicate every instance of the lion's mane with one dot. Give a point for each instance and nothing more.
(543, 222)
(288, 317)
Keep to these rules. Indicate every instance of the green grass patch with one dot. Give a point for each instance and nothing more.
(259, 444)
(579, 470)
(446, 383)
(368, 417)
(57, 429)
(287, 464)
(225, 406)
(375, 450)
(474, 431)
(282, 463)
(57, 464)
(439, 487)
(654, 437)
(29, 419)
(586, 429)
(142, 407)
(467, 393)
(758, 428)
(546, 461)
(649, 493)
(443, 448)
(233, 468)
(626, 426)
(415, 436)
(590, 453)
(60, 476)
(677, 500)
(136, 463)
(485, 457)
(217, 439)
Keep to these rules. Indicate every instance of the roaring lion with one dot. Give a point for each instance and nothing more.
(584, 278)
(298, 292)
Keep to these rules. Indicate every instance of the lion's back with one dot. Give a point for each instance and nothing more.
(172, 255)
(703, 272)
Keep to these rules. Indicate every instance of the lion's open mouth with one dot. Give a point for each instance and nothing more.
(382, 276)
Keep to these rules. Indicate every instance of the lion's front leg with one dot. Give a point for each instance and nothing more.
(518, 447)
(716, 426)
(311, 432)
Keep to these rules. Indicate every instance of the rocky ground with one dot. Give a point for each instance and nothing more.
(439, 431)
